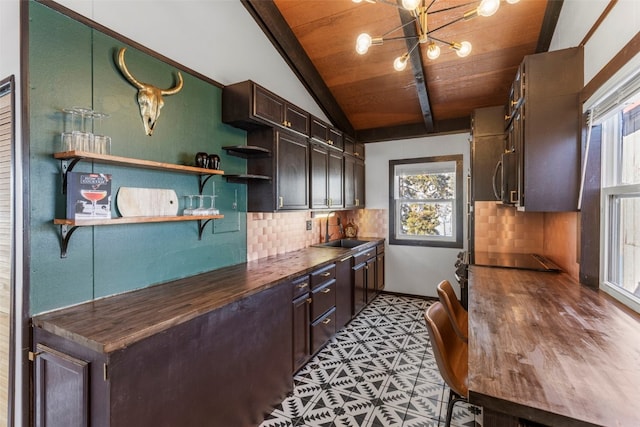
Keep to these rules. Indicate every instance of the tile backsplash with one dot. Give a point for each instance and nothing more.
(504, 229)
(281, 232)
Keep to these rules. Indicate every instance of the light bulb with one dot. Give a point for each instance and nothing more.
(433, 51)
(512, 1)
(463, 50)
(401, 62)
(357, 1)
(488, 7)
(410, 4)
(363, 43)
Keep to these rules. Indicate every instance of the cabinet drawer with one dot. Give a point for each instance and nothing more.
(300, 286)
(323, 299)
(322, 330)
(323, 275)
(363, 256)
(380, 248)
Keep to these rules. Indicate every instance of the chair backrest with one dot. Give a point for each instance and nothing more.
(450, 351)
(457, 314)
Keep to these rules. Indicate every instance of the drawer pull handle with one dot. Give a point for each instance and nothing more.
(345, 259)
(303, 285)
(327, 274)
(326, 291)
(326, 321)
(309, 300)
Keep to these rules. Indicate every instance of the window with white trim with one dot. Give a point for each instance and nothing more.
(619, 114)
(426, 203)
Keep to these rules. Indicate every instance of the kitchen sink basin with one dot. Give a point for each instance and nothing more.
(343, 243)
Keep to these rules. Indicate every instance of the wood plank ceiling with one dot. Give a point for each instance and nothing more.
(364, 96)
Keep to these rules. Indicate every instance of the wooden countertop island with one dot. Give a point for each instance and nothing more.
(546, 349)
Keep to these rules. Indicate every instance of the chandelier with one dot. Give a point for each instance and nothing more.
(419, 9)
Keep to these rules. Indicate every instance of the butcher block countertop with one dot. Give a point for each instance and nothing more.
(112, 323)
(545, 348)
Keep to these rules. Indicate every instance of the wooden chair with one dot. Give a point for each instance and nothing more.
(458, 315)
(451, 355)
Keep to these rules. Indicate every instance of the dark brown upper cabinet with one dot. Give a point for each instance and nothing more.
(325, 133)
(544, 128)
(487, 147)
(249, 106)
(326, 177)
(288, 166)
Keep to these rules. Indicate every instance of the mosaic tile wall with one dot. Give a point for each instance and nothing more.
(506, 230)
(278, 233)
(553, 234)
(561, 241)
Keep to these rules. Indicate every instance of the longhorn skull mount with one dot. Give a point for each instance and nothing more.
(149, 97)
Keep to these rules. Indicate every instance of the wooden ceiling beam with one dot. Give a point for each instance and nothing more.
(418, 130)
(272, 23)
(415, 57)
(551, 15)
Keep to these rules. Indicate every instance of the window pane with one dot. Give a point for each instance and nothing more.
(426, 219)
(624, 268)
(630, 170)
(427, 186)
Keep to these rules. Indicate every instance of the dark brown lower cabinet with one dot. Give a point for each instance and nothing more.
(344, 303)
(301, 332)
(223, 368)
(380, 268)
(61, 388)
(322, 329)
(359, 287)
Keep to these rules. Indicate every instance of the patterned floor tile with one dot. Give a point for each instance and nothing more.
(378, 371)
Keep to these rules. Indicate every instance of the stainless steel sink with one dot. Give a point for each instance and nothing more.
(343, 243)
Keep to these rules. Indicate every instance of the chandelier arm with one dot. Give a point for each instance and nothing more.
(446, 25)
(430, 4)
(446, 9)
(441, 41)
(396, 29)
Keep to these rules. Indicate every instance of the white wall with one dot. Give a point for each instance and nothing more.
(413, 270)
(578, 16)
(217, 38)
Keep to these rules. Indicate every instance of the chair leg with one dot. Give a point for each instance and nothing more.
(453, 398)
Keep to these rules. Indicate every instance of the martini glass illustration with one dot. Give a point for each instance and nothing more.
(94, 196)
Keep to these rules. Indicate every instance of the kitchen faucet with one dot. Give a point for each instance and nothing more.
(326, 226)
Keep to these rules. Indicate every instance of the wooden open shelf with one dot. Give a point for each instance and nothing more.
(246, 151)
(132, 220)
(146, 164)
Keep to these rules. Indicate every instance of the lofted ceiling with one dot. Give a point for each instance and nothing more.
(364, 96)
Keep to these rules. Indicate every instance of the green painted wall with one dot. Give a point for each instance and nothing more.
(71, 64)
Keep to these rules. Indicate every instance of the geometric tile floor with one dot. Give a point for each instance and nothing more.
(378, 371)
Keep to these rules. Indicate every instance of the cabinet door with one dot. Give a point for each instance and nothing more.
(301, 337)
(318, 129)
(344, 303)
(358, 178)
(292, 173)
(335, 179)
(371, 290)
(359, 288)
(349, 182)
(296, 119)
(380, 272)
(349, 144)
(335, 138)
(61, 389)
(268, 106)
(358, 150)
(319, 168)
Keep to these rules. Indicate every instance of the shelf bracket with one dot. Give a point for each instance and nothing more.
(65, 235)
(201, 227)
(202, 182)
(68, 167)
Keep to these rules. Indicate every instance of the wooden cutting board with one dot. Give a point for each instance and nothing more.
(133, 201)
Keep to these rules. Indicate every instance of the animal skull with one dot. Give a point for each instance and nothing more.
(149, 97)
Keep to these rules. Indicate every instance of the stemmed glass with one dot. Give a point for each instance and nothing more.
(83, 139)
(200, 210)
(188, 210)
(102, 142)
(212, 206)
